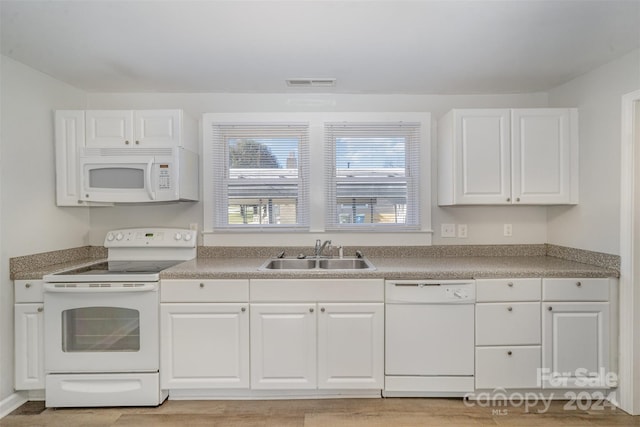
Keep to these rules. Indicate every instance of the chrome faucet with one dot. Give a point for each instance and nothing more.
(320, 247)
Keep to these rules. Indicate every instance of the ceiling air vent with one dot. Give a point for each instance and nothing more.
(311, 82)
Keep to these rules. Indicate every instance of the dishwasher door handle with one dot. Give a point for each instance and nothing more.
(416, 285)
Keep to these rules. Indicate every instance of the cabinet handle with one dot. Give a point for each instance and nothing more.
(322, 309)
(311, 310)
(509, 353)
(509, 308)
(202, 285)
(518, 199)
(27, 285)
(579, 284)
(40, 309)
(510, 284)
(243, 309)
(137, 142)
(126, 142)
(550, 308)
(508, 199)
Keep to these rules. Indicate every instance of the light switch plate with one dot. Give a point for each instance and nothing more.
(448, 230)
(462, 231)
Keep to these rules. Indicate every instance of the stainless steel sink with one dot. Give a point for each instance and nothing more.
(347, 263)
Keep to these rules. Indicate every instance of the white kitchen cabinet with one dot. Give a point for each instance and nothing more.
(575, 344)
(508, 333)
(351, 346)
(320, 334)
(204, 346)
(578, 332)
(69, 138)
(505, 157)
(283, 346)
(204, 339)
(28, 335)
(134, 128)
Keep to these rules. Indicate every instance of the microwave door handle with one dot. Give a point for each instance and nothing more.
(152, 194)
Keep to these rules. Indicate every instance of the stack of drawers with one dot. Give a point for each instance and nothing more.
(508, 333)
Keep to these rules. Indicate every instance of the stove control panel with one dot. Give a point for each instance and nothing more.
(151, 237)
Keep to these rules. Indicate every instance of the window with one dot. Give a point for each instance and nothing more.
(260, 173)
(372, 176)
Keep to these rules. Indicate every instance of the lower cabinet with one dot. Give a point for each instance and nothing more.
(317, 345)
(29, 346)
(204, 346)
(204, 334)
(576, 344)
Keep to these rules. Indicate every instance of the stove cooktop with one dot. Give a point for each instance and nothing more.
(114, 271)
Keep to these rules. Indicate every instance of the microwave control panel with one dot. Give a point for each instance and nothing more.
(164, 176)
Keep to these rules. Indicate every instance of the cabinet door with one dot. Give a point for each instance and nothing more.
(508, 323)
(109, 128)
(29, 346)
(483, 156)
(544, 156)
(351, 346)
(283, 346)
(204, 345)
(157, 128)
(507, 367)
(575, 344)
(69, 138)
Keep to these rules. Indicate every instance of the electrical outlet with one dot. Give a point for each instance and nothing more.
(193, 226)
(448, 230)
(508, 230)
(462, 231)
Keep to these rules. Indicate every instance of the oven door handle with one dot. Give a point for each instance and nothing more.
(53, 288)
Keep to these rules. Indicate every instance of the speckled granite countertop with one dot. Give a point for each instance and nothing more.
(437, 262)
(464, 267)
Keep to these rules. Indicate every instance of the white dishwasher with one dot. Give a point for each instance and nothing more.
(429, 337)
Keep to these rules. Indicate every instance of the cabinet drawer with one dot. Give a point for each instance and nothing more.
(489, 290)
(507, 367)
(28, 291)
(204, 291)
(515, 323)
(575, 289)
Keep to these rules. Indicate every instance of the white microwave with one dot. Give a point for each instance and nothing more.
(138, 175)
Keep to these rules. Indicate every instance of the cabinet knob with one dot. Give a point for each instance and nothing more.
(40, 309)
(243, 309)
(509, 308)
(202, 285)
(510, 284)
(27, 285)
(137, 142)
(311, 310)
(578, 284)
(508, 199)
(509, 353)
(550, 308)
(518, 199)
(322, 309)
(126, 142)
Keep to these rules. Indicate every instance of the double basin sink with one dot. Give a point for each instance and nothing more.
(346, 263)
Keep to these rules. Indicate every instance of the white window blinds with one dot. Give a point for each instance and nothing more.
(372, 176)
(260, 175)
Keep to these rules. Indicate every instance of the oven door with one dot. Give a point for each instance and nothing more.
(106, 327)
(117, 179)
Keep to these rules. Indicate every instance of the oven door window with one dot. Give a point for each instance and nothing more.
(100, 329)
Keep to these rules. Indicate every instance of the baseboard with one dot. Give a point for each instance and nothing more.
(11, 403)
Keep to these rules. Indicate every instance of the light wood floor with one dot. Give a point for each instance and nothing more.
(325, 413)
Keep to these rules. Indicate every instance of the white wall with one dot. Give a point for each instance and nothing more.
(595, 223)
(485, 224)
(30, 222)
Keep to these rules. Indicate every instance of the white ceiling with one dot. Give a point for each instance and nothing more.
(369, 46)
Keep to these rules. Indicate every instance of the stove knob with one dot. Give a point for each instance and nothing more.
(178, 236)
(119, 236)
(187, 237)
(110, 237)
(458, 294)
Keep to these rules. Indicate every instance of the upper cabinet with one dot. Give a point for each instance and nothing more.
(508, 156)
(140, 128)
